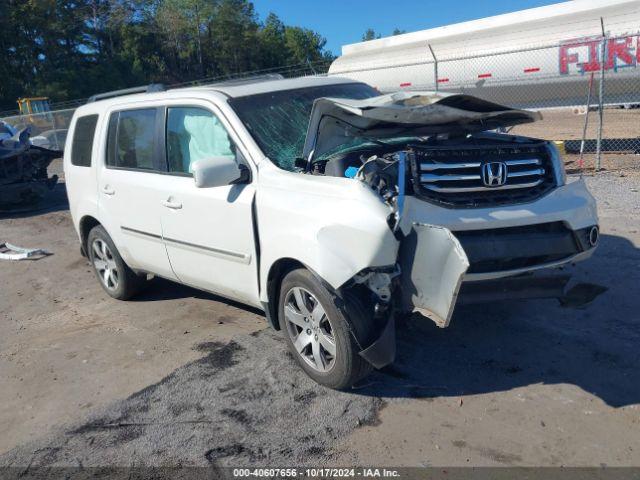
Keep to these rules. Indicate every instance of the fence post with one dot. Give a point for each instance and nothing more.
(435, 67)
(603, 61)
(313, 71)
(586, 123)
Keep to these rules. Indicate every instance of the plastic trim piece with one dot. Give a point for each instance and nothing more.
(382, 352)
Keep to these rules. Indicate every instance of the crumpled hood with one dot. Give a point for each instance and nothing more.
(335, 120)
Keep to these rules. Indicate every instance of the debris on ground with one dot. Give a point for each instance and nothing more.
(11, 252)
(23, 169)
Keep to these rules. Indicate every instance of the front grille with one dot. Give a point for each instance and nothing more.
(454, 176)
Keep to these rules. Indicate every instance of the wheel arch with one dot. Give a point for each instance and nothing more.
(277, 272)
(279, 269)
(85, 225)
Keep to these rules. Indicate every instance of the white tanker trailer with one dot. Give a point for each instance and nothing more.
(541, 57)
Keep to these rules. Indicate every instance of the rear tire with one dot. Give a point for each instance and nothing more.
(115, 277)
(318, 333)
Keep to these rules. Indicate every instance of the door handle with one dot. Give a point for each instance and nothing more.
(172, 205)
(107, 190)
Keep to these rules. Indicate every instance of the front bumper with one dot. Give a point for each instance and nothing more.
(450, 256)
(506, 252)
(515, 239)
(514, 288)
(572, 203)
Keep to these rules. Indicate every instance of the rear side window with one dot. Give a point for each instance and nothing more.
(83, 140)
(131, 142)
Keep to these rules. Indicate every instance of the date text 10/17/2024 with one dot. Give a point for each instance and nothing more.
(365, 472)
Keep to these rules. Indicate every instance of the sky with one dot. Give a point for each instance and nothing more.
(344, 21)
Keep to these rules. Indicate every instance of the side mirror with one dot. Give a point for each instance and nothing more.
(218, 172)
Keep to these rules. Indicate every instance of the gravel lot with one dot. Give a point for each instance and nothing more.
(181, 377)
(567, 124)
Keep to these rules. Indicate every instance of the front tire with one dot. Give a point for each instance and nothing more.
(318, 333)
(115, 277)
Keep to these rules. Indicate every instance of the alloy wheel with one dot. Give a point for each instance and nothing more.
(310, 329)
(105, 264)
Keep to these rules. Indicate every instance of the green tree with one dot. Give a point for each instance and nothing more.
(182, 25)
(370, 34)
(68, 49)
(273, 43)
(305, 46)
(233, 37)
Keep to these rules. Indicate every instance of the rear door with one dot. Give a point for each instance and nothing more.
(132, 186)
(208, 232)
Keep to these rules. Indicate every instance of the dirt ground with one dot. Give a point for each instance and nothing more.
(182, 377)
(568, 124)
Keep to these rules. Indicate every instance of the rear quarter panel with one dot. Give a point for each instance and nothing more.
(81, 183)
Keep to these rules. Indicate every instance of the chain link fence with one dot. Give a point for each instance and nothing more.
(587, 89)
(49, 129)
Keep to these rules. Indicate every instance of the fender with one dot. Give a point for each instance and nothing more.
(335, 226)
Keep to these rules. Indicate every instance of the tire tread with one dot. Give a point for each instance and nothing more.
(352, 368)
(131, 283)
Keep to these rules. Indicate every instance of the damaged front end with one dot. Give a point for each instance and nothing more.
(24, 180)
(427, 278)
(431, 262)
(433, 149)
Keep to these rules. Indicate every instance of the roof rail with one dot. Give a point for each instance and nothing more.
(154, 87)
(245, 80)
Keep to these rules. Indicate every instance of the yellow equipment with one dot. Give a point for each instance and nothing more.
(33, 105)
(36, 111)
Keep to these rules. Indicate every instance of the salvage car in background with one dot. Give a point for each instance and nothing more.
(329, 206)
(24, 180)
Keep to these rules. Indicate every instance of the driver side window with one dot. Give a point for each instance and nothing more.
(194, 134)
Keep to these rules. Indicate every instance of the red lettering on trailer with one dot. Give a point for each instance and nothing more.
(532, 70)
(443, 80)
(594, 58)
(406, 84)
(567, 58)
(484, 75)
(619, 48)
(619, 54)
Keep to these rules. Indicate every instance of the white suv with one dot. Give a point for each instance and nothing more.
(325, 204)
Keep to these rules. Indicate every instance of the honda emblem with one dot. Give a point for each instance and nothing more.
(494, 174)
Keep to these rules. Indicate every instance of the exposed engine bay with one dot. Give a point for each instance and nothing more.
(450, 170)
(442, 140)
